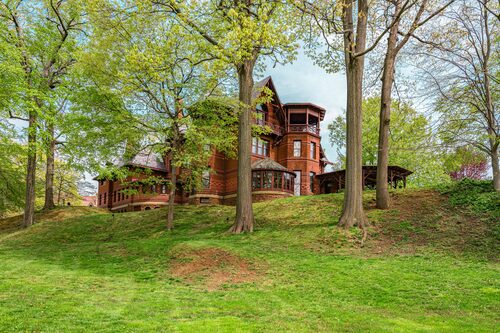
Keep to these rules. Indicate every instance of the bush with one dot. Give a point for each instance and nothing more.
(477, 195)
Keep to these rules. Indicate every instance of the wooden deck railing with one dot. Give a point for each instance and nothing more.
(314, 129)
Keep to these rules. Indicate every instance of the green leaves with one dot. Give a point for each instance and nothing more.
(411, 142)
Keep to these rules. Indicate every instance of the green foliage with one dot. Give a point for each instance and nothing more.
(158, 91)
(411, 144)
(37, 51)
(477, 195)
(12, 172)
(239, 31)
(465, 155)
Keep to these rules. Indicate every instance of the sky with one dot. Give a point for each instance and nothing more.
(303, 81)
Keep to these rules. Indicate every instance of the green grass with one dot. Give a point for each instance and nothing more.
(427, 267)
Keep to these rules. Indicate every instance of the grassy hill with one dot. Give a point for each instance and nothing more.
(429, 265)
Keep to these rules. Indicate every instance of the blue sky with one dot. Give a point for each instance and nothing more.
(302, 81)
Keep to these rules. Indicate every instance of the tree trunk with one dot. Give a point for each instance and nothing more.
(495, 167)
(29, 206)
(352, 212)
(171, 198)
(244, 211)
(49, 173)
(490, 115)
(385, 115)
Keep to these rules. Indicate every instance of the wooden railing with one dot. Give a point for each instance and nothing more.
(275, 129)
(314, 129)
(279, 130)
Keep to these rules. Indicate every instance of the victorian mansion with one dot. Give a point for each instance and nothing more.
(285, 162)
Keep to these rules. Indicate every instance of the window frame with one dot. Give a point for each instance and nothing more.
(312, 150)
(261, 147)
(297, 151)
(206, 179)
(311, 181)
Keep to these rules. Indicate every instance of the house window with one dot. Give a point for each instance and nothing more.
(256, 180)
(267, 180)
(163, 189)
(105, 195)
(205, 179)
(311, 181)
(153, 189)
(100, 196)
(297, 148)
(260, 147)
(312, 152)
(278, 180)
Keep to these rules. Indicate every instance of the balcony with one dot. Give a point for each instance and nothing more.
(275, 129)
(313, 129)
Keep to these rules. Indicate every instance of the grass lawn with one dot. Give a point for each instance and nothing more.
(426, 267)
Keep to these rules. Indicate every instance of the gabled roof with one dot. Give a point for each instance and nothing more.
(259, 86)
(148, 160)
(268, 164)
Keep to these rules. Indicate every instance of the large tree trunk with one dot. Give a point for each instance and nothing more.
(244, 212)
(352, 212)
(49, 173)
(385, 115)
(29, 207)
(495, 167)
(490, 115)
(171, 198)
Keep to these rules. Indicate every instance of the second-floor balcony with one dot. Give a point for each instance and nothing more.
(275, 129)
(313, 129)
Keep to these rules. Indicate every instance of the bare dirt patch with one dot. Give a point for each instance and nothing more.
(213, 268)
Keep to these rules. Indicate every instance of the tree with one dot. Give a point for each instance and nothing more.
(12, 158)
(161, 85)
(461, 64)
(467, 162)
(66, 181)
(240, 33)
(38, 39)
(409, 20)
(411, 143)
(348, 19)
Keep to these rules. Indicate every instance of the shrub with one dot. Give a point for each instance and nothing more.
(477, 195)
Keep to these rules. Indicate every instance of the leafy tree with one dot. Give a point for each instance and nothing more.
(338, 38)
(66, 180)
(410, 15)
(411, 142)
(163, 87)
(12, 156)
(240, 33)
(37, 41)
(461, 68)
(467, 162)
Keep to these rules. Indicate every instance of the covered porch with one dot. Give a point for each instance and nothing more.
(333, 182)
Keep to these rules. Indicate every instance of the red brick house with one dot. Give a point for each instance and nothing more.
(285, 162)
